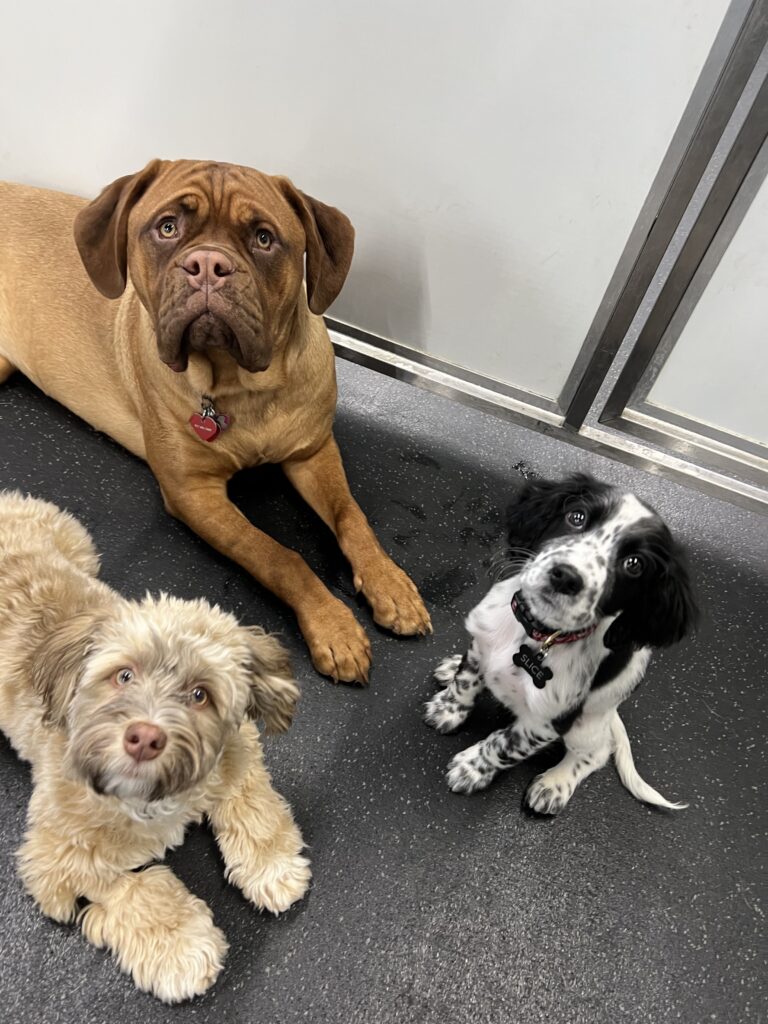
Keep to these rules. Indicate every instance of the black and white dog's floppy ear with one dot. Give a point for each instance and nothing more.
(540, 503)
(665, 609)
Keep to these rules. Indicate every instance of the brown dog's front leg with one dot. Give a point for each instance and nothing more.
(337, 643)
(393, 597)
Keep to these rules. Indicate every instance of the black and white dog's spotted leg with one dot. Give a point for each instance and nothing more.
(446, 671)
(588, 747)
(463, 681)
(476, 767)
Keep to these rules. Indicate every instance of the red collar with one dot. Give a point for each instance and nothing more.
(538, 631)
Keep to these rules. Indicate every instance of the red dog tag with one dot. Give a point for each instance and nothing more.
(204, 426)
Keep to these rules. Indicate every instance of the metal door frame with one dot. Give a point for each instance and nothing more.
(621, 413)
(735, 53)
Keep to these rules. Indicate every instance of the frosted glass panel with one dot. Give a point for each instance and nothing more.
(718, 370)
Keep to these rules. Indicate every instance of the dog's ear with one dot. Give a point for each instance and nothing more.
(57, 664)
(664, 612)
(330, 244)
(101, 230)
(539, 503)
(274, 692)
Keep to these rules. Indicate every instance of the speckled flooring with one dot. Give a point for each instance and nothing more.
(430, 907)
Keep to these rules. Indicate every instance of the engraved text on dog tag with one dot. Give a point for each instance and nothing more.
(205, 427)
(531, 661)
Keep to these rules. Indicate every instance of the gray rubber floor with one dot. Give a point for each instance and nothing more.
(426, 906)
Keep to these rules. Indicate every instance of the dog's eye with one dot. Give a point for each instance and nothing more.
(576, 518)
(633, 565)
(123, 676)
(264, 239)
(199, 697)
(167, 228)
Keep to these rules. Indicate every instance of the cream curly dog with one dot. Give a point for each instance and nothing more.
(137, 718)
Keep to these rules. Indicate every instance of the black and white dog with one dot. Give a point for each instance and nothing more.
(595, 581)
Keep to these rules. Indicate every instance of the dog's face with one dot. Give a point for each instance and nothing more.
(216, 254)
(150, 693)
(589, 551)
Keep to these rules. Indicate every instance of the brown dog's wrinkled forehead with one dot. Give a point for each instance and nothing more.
(226, 197)
(219, 191)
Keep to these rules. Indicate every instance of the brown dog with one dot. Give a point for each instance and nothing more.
(214, 329)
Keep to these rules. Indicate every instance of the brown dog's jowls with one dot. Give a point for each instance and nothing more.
(138, 718)
(201, 299)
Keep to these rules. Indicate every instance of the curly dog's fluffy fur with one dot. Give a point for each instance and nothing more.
(138, 718)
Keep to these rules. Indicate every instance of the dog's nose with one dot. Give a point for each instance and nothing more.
(144, 741)
(564, 579)
(207, 268)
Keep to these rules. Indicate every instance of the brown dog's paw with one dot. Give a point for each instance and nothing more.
(394, 599)
(337, 643)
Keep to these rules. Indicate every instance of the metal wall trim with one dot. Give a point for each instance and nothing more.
(640, 451)
(700, 450)
(521, 408)
(736, 446)
(405, 354)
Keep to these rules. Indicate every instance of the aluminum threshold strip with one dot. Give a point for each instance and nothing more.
(414, 371)
(416, 355)
(600, 439)
(654, 460)
(699, 446)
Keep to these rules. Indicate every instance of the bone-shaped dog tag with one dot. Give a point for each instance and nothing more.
(531, 661)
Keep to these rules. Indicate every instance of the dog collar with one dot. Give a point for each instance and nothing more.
(533, 661)
(538, 631)
(208, 423)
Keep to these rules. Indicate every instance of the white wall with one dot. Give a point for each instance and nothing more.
(493, 155)
(717, 372)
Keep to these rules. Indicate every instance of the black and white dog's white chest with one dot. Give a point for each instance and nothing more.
(499, 637)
